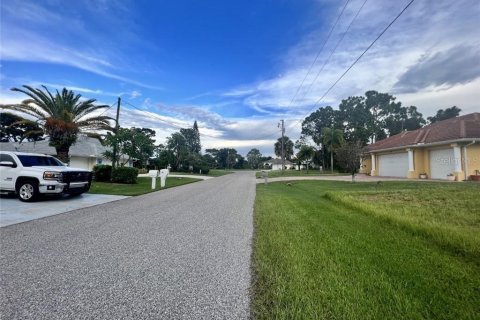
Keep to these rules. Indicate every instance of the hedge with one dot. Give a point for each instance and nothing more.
(102, 172)
(125, 175)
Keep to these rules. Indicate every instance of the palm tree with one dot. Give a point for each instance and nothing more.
(287, 145)
(62, 116)
(305, 154)
(332, 139)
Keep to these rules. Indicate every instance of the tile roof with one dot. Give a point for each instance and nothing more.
(463, 127)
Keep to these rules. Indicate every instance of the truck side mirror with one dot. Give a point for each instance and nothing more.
(8, 164)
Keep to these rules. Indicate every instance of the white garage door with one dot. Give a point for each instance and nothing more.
(442, 162)
(393, 165)
(77, 162)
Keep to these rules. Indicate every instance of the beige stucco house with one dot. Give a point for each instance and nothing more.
(439, 150)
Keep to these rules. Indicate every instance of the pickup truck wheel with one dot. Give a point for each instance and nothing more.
(27, 190)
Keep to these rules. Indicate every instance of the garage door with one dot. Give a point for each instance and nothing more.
(442, 162)
(393, 165)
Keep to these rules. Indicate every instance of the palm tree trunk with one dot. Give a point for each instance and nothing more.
(62, 154)
(331, 160)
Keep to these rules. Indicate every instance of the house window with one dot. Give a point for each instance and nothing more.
(99, 161)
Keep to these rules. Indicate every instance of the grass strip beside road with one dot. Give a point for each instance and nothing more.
(143, 186)
(316, 257)
(298, 173)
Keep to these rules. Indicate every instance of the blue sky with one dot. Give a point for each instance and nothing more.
(234, 66)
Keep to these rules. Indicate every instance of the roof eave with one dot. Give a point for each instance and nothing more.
(422, 145)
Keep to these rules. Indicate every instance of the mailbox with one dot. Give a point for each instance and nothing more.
(153, 173)
(163, 177)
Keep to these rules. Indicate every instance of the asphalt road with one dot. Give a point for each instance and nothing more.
(181, 253)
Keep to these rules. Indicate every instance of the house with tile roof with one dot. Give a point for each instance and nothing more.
(440, 150)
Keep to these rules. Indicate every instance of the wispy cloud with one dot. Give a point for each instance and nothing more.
(26, 24)
(426, 47)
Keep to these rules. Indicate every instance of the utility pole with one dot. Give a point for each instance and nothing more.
(283, 147)
(115, 130)
(331, 148)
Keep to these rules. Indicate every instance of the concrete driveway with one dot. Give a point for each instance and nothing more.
(14, 211)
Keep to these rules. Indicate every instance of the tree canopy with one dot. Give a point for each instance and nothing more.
(15, 128)
(134, 144)
(287, 148)
(254, 158)
(62, 116)
(445, 114)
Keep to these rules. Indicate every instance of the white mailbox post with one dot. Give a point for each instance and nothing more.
(163, 177)
(154, 175)
(265, 176)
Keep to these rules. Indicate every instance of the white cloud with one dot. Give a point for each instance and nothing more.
(424, 28)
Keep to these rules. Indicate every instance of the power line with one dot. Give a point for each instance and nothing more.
(157, 117)
(334, 49)
(111, 106)
(359, 57)
(318, 54)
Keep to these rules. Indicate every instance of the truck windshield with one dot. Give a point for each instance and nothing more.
(31, 161)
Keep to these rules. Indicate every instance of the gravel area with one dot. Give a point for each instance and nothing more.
(181, 253)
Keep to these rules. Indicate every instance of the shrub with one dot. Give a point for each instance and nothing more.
(143, 171)
(102, 172)
(125, 175)
(205, 170)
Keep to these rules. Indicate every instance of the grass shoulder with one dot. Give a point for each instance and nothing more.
(298, 173)
(318, 255)
(143, 186)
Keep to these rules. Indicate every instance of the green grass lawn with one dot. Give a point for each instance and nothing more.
(395, 250)
(297, 173)
(143, 186)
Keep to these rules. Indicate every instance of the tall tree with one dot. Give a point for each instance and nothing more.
(404, 119)
(253, 158)
(287, 147)
(445, 114)
(381, 106)
(177, 145)
(15, 128)
(313, 124)
(192, 138)
(355, 119)
(62, 116)
(332, 139)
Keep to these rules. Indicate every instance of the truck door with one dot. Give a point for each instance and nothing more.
(7, 173)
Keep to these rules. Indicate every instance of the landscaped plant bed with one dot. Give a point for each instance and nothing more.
(475, 177)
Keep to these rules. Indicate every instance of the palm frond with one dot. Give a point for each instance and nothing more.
(24, 108)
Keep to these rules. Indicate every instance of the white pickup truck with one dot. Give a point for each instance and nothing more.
(29, 175)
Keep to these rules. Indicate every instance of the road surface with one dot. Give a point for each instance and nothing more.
(181, 253)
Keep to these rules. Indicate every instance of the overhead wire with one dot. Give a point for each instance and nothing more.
(157, 117)
(357, 59)
(334, 49)
(318, 54)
